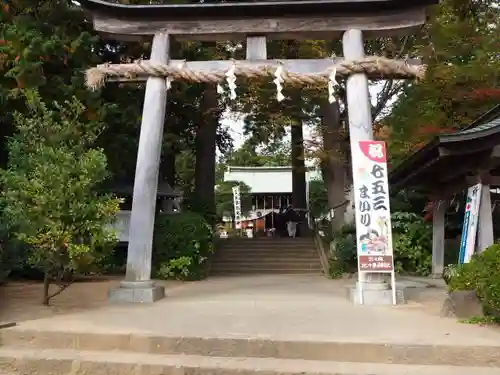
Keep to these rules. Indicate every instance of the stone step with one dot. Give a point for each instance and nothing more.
(267, 260)
(71, 362)
(267, 242)
(402, 353)
(265, 266)
(243, 249)
(268, 239)
(256, 250)
(267, 256)
(256, 271)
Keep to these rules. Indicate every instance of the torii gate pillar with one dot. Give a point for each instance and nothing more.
(137, 286)
(376, 290)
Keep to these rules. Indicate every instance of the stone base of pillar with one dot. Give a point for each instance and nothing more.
(137, 292)
(378, 293)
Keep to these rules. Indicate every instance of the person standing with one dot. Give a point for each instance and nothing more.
(291, 221)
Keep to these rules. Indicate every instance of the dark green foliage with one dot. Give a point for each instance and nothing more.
(412, 243)
(318, 198)
(183, 243)
(13, 253)
(343, 259)
(481, 274)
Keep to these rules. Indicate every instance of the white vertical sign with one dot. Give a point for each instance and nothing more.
(237, 206)
(373, 215)
(469, 229)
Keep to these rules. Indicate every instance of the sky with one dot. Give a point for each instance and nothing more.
(235, 121)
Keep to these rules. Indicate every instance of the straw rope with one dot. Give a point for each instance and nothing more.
(374, 67)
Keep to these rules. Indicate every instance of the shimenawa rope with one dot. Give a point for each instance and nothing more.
(374, 67)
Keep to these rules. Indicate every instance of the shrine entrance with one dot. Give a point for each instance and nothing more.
(254, 22)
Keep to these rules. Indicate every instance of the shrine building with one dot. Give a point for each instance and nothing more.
(270, 190)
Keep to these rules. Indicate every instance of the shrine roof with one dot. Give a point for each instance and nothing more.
(450, 157)
(246, 9)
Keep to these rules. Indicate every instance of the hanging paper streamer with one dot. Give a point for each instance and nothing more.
(278, 81)
(231, 81)
(332, 82)
(169, 80)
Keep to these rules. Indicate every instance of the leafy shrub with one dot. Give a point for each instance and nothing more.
(450, 271)
(343, 255)
(49, 190)
(481, 274)
(412, 243)
(13, 253)
(183, 243)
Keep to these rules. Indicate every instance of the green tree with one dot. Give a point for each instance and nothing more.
(460, 47)
(49, 191)
(318, 198)
(274, 153)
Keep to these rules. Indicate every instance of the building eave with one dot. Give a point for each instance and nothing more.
(247, 10)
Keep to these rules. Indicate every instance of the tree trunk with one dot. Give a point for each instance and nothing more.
(46, 288)
(205, 153)
(333, 163)
(299, 198)
(167, 168)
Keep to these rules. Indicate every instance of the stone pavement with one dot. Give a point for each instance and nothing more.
(248, 324)
(288, 307)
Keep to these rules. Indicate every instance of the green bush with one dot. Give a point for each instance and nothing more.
(343, 256)
(481, 274)
(412, 243)
(13, 252)
(183, 243)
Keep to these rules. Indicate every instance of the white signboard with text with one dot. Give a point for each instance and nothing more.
(469, 230)
(237, 206)
(373, 214)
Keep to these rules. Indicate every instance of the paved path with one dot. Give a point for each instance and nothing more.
(298, 308)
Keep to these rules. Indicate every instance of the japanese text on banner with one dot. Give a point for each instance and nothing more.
(373, 218)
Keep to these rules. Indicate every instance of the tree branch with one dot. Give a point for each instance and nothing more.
(62, 288)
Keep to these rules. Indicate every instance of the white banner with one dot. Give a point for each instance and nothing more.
(237, 206)
(373, 215)
(469, 229)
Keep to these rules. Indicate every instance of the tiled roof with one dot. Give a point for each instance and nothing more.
(479, 128)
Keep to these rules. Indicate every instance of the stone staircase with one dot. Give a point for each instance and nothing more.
(265, 255)
(46, 352)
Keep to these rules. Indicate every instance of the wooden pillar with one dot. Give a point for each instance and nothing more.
(358, 96)
(438, 238)
(485, 236)
(360, 119)
(138, 286)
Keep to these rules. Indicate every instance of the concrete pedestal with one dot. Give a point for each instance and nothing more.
(375, 296)
(138, 292)
(375, 292)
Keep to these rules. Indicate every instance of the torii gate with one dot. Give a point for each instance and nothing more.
(255, 22)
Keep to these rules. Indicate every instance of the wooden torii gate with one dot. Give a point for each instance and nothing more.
(254, 22)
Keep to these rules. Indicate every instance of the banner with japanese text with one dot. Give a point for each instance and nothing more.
(373, 215)
(469, 230)
(237, 206)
